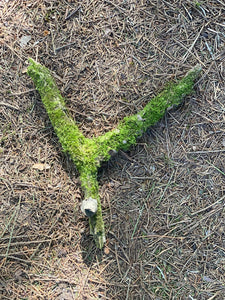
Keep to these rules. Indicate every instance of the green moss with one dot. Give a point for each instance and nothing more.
(134, 126)
(86, 153)
(88, 177)
(83, 151)
(66, 129)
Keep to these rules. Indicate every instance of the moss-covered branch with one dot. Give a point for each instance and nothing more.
(83, 151)
(134, 126)
(87, 154)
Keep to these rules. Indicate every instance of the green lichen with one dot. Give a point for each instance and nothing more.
(87, 154)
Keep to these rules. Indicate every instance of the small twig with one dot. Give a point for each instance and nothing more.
(39, 245)
(11, 232)
(196, 57)
(190, 228)
(68, 280)
(209, 206)
(29, 262)
(164, 190)
(13, 51)
(72, 13)
(220, 171)
(189, 15)
(128, 288)
(192, 46)
(53, 44)
(214, 296)
(122, 10)
(161, 272)
(7, 225)
(65, 47)
(135, 58)
(204, 117)
(117, 260)
(161, 237)
(7, 182)
(141, 211)
(210, 50)
(221, 2)
(21, 93)
(160, 49)
(30, 242)
(9, 105)
(206, 152)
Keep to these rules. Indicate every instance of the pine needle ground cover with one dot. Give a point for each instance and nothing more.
(162, 199)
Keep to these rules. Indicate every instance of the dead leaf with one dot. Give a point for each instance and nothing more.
(106, 250)
(46, 32)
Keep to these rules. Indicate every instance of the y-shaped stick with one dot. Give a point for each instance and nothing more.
(86, 153)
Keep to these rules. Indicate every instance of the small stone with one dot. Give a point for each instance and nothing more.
(24, 40)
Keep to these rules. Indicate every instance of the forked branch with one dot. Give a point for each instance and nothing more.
(87, 154)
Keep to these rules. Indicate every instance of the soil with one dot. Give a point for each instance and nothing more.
(163, 200)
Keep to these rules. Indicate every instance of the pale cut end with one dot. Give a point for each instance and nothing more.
(89, 207)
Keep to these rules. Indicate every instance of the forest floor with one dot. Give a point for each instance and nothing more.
(163, 201)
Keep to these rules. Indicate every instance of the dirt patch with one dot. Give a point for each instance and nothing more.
(163, 200)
